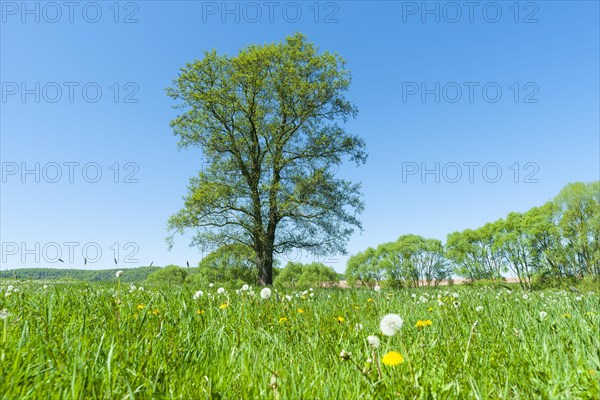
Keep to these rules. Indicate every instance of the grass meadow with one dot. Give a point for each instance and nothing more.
(100, 341)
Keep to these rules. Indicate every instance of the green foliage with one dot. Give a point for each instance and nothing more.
(297, 275)
(231, 265)
(169, 275)
(268, 120)
(130, 274)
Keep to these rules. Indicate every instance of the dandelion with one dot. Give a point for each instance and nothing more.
(525, 297)
(369, 300)
(414, 295)
(200, 312)
(245, 288)
(283, 320)
(220, 290)
(377, 288)
(223, 306)
(392, 358)
(578, 298)
(141, 289)
(288, 297)
(211, 285)
(340, 319)
(566, 315)
(373, 341)
(300, 311)
(4, 314)
(140, 307)
(358, 327)
(118, 273)
(344, 355)
(198, 294)
(440, 303)
(430, 309)
(311, 294)
(423, 323)
(45, 287)
(455, 295)
(543, 315)
(265, 293)
(390, 324)
(155, 312)
(456, 304)
(479, 308)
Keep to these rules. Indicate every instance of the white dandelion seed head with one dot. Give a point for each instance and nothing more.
(288, 297)
(455, 295)
(456, 304)
(198, 294)
(238, 291)
(141, 289)
(543, 314)
(312, 294)
(377, 288)
(220, 290)
(10, 288)
(479, 308)
(373, 341)
(118, 273)
(265, 293)
(345, 355)
(440, 303)
(525, 297)
(358, 327)
(414, 295)
(390, 324)
(245, 288)
(578, 298)
(4, 314)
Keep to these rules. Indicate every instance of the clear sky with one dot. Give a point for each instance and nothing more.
(476, 88)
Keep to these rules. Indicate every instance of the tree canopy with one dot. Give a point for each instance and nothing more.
(269, 121)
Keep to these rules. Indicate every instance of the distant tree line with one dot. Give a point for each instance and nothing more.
(558, 239)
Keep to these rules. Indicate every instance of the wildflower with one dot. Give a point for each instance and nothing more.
(283, 320)
(141, 289)
(455, 295)
(45, 287)
(543, 314)
(198, 294)
(479, 308)
(373, 341)
(200, 312)
(220, 290)
(369, 300)
(430, 309)
(288, 297)
(140, 306)
(265, 293)
(344, 355)
(414, 295)
(377, 288)
(440, 303)
(578, 298)
(525, 297)
(358, 327)
(390, 324)
(245, 288)
(155, 312)
(311, 294)
(456, 304)
(340, 319)
(4, 314)
(392, 358)
(223, 306)
(211, 285)
(566, 315)
(118, 273)
(423, 323)
(300, 311)
(356, 307)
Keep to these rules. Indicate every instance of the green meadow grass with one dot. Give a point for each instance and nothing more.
(83, 341)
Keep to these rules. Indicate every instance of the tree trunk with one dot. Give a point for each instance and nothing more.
(265, 265)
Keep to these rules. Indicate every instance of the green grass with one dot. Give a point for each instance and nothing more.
(74, 341)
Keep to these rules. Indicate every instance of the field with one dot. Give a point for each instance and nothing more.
(75, 341)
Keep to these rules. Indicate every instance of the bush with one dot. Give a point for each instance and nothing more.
(297, 275)
(170, 275)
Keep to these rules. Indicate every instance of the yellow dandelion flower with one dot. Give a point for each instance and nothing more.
(566, 315)
(340, 319)
(392, 358)
(223, 306)
(592, 372)
(200, 312)
(283, 320)
(155, 312)
(356, 307)
(370, 300)
(423, 323)
(300, 311)
(430, 309)
(140, 306)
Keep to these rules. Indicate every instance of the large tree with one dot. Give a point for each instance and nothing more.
(269, 121)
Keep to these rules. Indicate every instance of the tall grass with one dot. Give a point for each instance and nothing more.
(75, 341)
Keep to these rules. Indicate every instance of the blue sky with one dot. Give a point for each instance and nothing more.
(532, 69)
